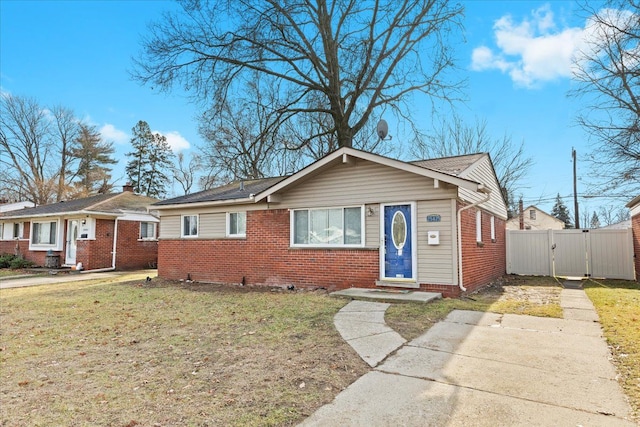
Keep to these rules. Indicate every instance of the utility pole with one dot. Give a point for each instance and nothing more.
(575, 189)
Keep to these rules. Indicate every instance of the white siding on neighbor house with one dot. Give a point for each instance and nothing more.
(542, 221)
(362, 183)
(482, 172)
(436, 263)
(169, 227)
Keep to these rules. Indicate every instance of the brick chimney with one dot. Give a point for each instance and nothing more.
(127, 187)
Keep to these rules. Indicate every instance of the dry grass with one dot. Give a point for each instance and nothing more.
(169, 355)
(535, 296)
(618, 305)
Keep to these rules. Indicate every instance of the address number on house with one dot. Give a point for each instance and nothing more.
(433, 218)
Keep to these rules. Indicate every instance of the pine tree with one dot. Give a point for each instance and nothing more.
(150, 161)
(94, 155)
(561, 212)
(595, 221)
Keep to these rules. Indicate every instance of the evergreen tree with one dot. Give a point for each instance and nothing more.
(150, 161)
(94, 155)
(595, 221)
(561, 212)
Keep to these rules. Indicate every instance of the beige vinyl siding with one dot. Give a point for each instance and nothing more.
(212, 225)
(482, 172)
(169, 227)
(362, 183)
(436, 262)
(372, 226)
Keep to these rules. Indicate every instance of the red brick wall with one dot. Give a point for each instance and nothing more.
(265, 257)
(482, 263)
(635, 225)
(36, 257)
(131, 253)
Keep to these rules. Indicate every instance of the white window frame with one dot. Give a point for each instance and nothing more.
(321, 245)
(479, 226)
(154, 235)
(20, 230)
(58, 237)
(228, 227)
(493, 228)
(189, 236)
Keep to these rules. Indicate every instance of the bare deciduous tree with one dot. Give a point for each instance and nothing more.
(454, 138)
(608, 74)
(353, 56)
(185, 173)
(25, 130)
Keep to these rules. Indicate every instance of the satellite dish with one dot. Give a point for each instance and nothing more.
(383, 129)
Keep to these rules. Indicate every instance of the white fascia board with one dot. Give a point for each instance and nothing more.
(244, 201)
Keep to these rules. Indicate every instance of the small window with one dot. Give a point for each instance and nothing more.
(328, 227)
(493, 228)
(44, 233)
(147, 230)
(18, 230)
(532, 214)
(479, 226)
(237, 224)
(190, 226)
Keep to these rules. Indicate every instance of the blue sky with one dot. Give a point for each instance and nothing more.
(516, 59)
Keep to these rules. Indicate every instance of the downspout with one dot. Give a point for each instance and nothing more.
(486, 191)
(113, 256)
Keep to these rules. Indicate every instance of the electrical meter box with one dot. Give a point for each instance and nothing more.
(433, 237)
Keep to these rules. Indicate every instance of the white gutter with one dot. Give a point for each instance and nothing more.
(487, 191)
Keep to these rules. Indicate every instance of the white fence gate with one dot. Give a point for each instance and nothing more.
(579, 253)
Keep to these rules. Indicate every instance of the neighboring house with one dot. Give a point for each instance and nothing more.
(351, 219)
(101, 232)
(622, 225)
(634, 206)
(6, 207)
(534, 218)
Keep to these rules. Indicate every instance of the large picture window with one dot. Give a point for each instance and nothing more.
(44, 233)
(237, 224)
(328, 227)
(190, 226)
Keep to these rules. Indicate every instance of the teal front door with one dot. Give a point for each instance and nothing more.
(398, 242)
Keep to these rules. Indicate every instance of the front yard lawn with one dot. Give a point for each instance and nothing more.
(154, 353)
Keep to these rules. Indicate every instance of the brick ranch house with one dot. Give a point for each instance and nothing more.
(351, 219)
(634, 206)
(107, 231)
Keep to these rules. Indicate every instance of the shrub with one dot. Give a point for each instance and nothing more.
(13, 262)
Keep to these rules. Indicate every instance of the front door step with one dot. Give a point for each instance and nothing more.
(387, 295)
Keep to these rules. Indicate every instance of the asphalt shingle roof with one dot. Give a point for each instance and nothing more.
(105, 203)
(232, 191)
(450, 165)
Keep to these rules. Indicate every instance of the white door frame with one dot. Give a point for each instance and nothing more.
(407, 282)
(71, 241)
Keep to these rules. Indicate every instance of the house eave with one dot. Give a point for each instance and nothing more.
(243, 201)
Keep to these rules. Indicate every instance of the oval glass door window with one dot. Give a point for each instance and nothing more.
(399, 231)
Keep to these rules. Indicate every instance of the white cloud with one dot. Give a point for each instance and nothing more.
(110, 133)
(175, 140)
(532, 51)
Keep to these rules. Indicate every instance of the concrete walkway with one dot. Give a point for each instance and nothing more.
(37, 280)
(480, 369)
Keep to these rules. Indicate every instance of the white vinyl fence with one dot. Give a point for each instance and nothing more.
(578, 253)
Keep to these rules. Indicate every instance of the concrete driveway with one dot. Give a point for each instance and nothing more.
(49, 279)
(481, 369)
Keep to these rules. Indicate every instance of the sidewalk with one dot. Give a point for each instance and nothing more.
(36, 280)
(480, 369)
